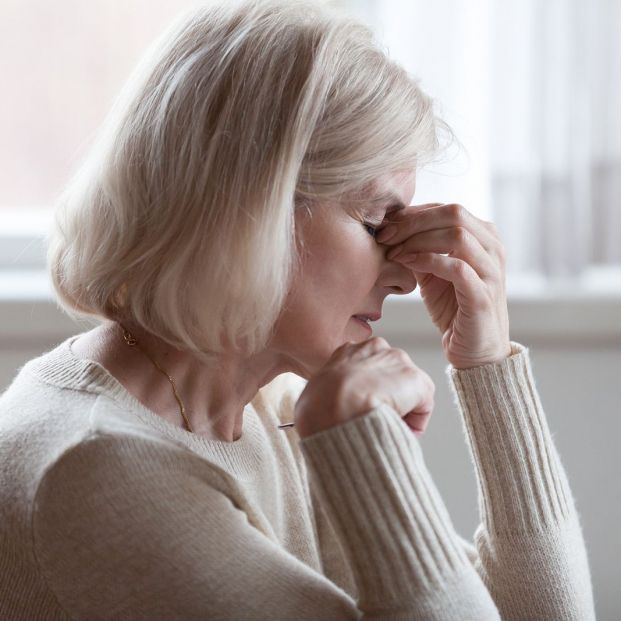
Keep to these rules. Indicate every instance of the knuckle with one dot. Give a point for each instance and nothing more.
(460, 234)
(403, 356)
(378, 341)
(491, 226)
(457, 212)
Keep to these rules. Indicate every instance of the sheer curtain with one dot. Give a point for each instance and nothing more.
(533, 91)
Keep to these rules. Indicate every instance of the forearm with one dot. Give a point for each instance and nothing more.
(395, 530)
(532, 555)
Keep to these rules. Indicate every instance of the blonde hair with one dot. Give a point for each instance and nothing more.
(181, 217)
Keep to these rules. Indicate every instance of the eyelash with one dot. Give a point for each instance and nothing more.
(372, 227)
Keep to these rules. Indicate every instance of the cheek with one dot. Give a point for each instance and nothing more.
(321, 307)
(335, 278)
(340, 284)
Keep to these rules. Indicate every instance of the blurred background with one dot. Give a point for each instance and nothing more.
(531, 88)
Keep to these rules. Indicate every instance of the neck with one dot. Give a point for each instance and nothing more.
(214, 395)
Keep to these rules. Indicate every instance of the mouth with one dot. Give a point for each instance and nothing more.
(363, 320)
(368, 316)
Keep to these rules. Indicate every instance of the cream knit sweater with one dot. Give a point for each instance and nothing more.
(109, 512)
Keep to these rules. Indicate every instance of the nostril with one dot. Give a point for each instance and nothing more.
(404, 290)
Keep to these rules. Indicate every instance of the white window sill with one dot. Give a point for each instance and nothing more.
(561, 316)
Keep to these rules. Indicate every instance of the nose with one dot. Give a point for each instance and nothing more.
(397, 277)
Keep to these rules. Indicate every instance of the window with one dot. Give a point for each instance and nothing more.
(68, 61)
(528, 87)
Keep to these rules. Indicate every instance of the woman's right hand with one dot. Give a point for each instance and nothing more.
(359, 377)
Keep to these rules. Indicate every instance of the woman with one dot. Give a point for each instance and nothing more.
(230, 442)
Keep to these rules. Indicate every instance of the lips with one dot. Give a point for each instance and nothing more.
(369, 316)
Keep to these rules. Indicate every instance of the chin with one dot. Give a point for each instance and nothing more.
(315, 359)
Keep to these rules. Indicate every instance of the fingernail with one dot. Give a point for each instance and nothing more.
(386, 233)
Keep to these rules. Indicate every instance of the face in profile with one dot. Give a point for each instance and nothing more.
(344, 272)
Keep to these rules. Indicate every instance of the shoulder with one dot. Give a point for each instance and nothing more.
(139, 510)
(106, 477)
(115, 462)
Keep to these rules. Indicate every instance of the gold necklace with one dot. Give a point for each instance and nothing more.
(130, 339)
(132, 342)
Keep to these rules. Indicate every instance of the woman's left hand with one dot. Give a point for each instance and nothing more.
(464, 292)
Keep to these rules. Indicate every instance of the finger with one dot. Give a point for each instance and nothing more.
(470, 291)
(423, 398)
(410, 221)
(417, 422)
(390, 217)
(351, 350)
(458, 242)
(373, 343)
(395, 219)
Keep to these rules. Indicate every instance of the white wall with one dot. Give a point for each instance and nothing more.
(576, 354)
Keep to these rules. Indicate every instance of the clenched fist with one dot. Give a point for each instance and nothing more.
(359, 377)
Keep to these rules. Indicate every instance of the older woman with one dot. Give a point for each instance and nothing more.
(231, 442)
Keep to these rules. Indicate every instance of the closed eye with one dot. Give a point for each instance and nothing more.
(372, 228)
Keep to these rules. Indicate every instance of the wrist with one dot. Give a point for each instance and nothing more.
(463, 365)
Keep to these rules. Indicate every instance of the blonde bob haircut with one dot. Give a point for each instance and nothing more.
(181, 217)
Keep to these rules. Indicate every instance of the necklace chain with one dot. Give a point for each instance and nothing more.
(132, 342)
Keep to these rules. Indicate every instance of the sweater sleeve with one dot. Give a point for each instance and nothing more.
(529, 548)
(406, 558)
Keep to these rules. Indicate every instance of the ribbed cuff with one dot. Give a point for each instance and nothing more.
(522, 484)
(394, 527)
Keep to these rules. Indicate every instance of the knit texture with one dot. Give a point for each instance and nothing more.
(107, 511)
